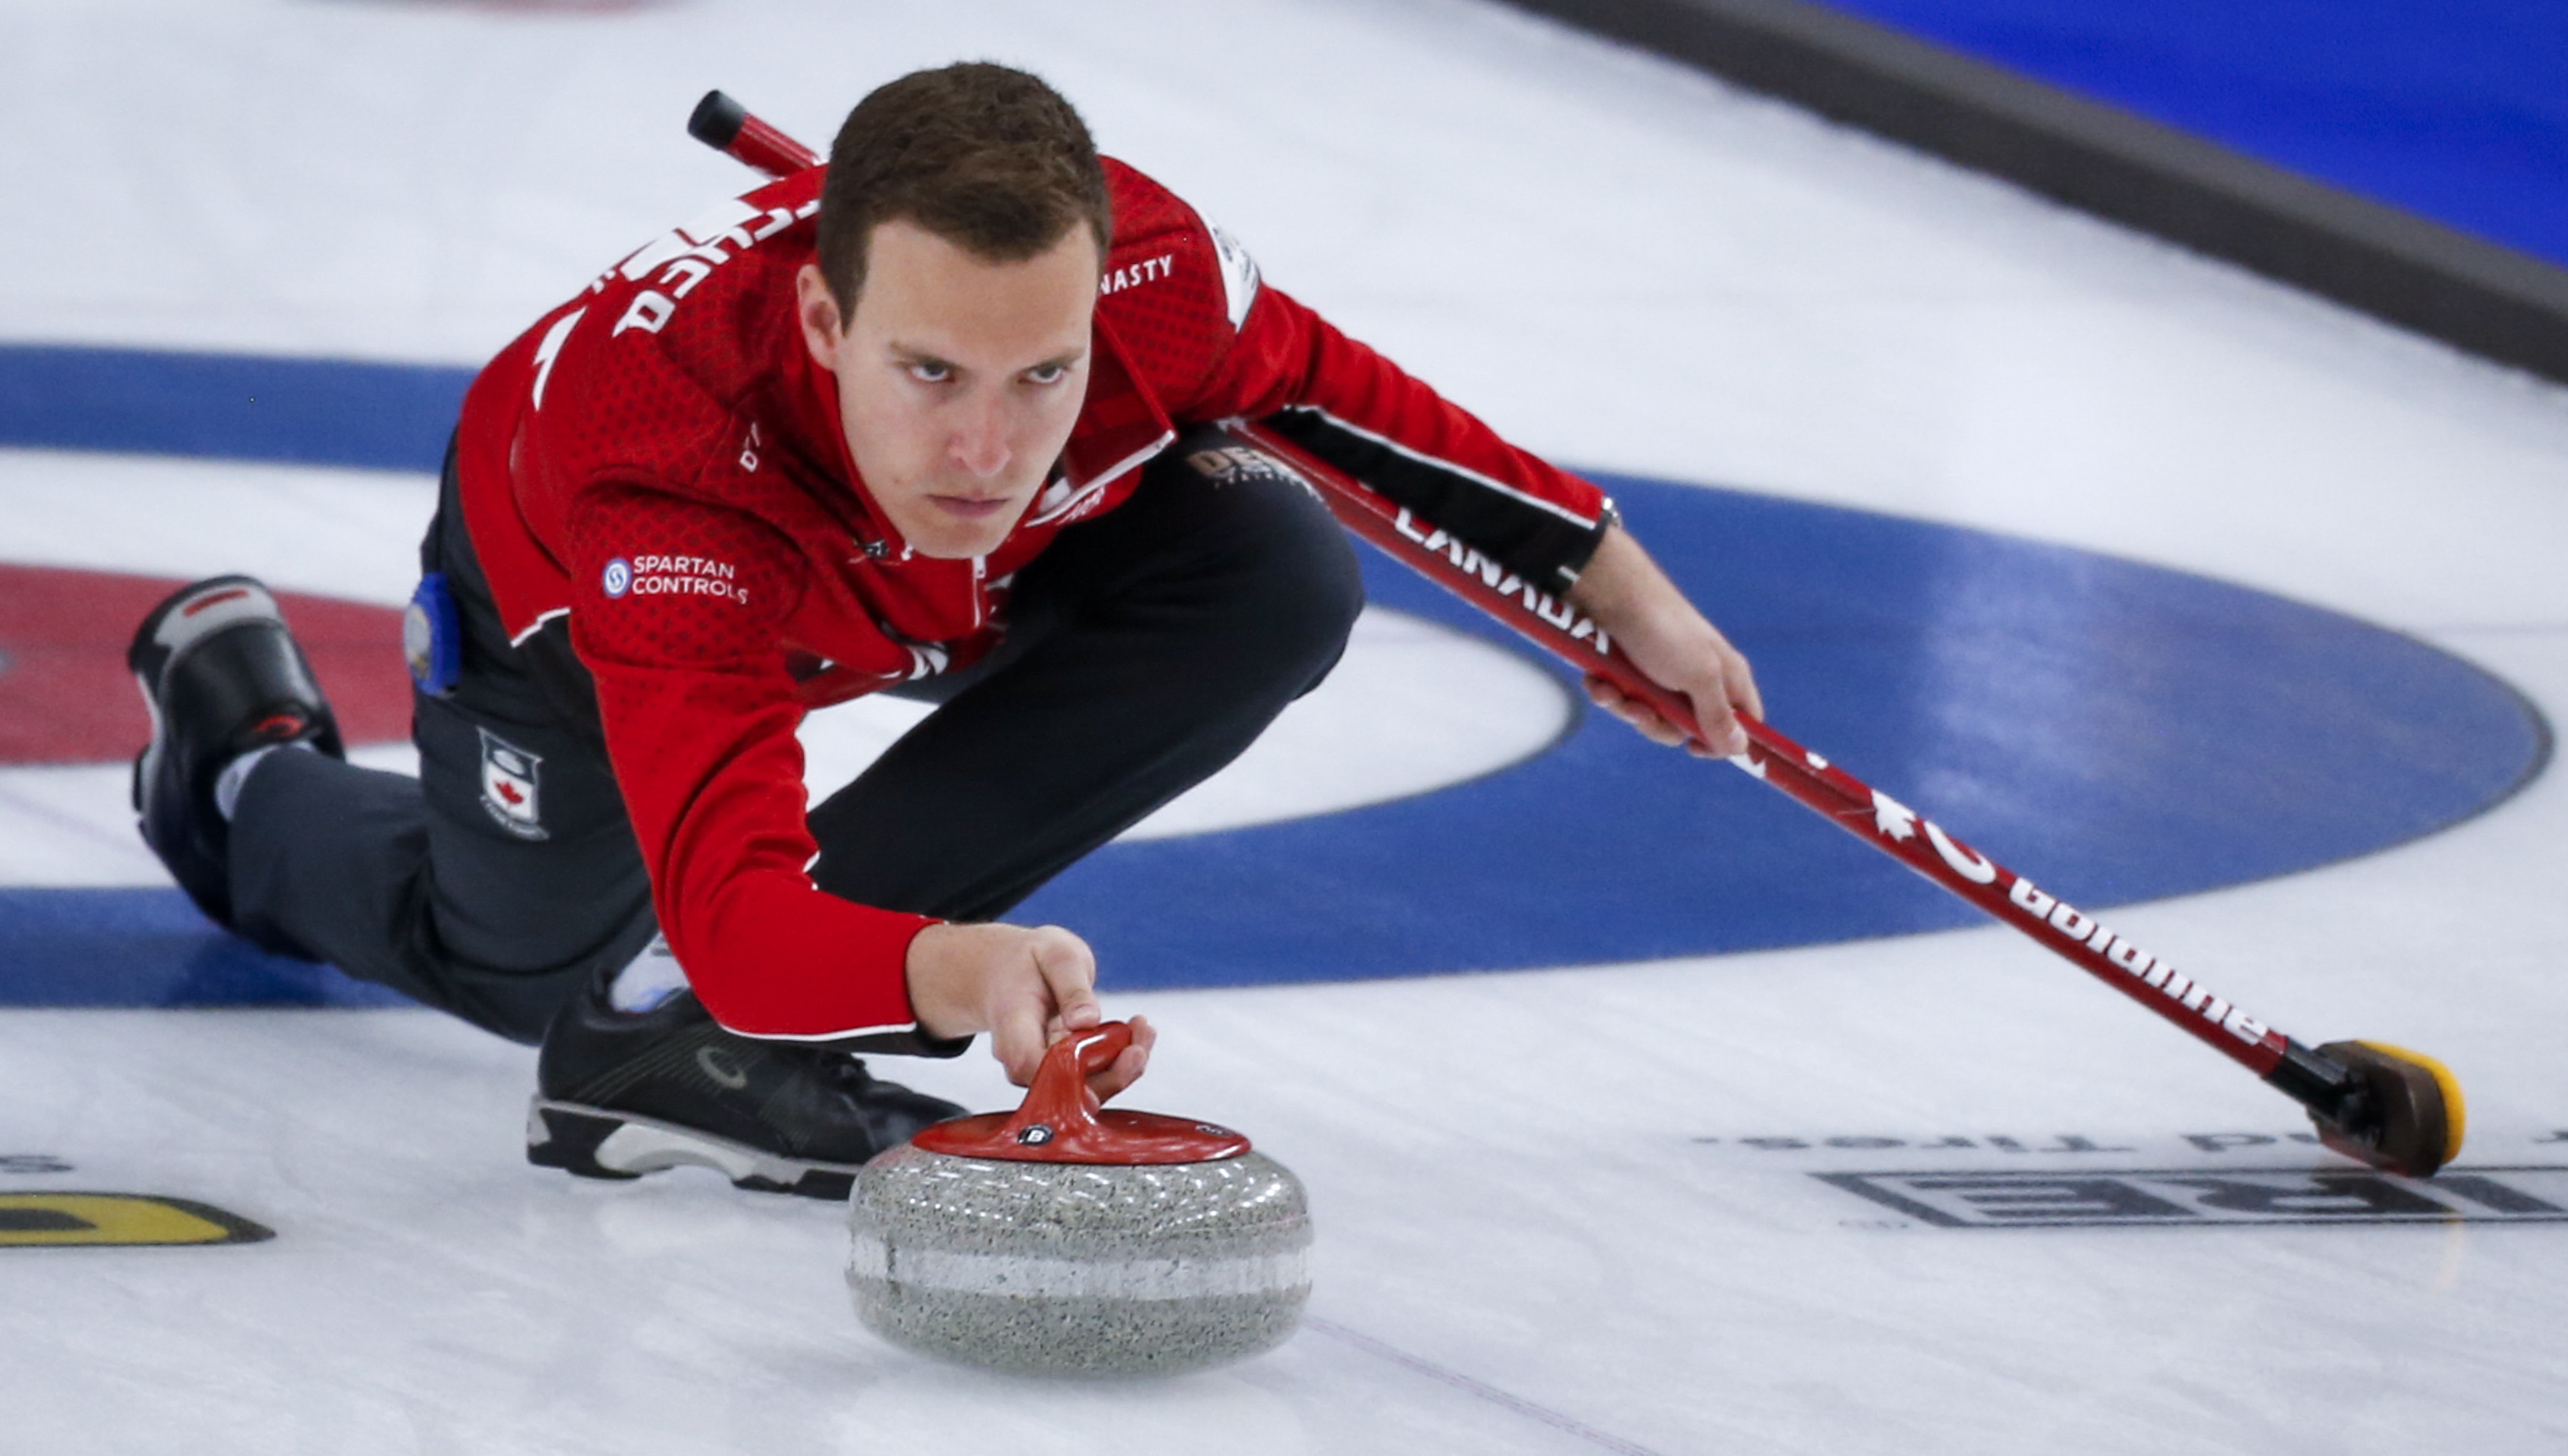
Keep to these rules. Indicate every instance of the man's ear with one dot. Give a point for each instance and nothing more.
(815, 308)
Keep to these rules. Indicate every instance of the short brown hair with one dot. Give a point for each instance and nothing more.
(985, 156)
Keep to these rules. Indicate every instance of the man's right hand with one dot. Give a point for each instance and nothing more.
(1026, 988)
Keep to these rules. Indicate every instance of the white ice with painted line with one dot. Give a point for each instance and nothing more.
(1412, 707)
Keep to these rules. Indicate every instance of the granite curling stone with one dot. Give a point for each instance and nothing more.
(1067, 1240)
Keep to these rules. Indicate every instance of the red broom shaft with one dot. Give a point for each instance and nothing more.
(727, 126)
(1855, 807)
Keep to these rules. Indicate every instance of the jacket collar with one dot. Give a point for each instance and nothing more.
(1121, 426)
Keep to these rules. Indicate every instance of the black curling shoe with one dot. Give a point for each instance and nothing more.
(622, 1094)
(222, 677)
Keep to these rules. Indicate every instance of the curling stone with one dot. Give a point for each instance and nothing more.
(1067, 1240)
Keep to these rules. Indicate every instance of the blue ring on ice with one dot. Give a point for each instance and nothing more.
(2116, 730)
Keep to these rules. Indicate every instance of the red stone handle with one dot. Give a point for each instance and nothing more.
(1095, 1050)
(1061, 1120)
(1061, 1100)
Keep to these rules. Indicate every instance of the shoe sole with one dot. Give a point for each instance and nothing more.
(195, 596)
(283, 704)
(220, 602)
(598, 1142)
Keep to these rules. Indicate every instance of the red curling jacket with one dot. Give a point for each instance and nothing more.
(659, 459)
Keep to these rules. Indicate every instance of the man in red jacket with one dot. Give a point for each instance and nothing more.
(931, 419)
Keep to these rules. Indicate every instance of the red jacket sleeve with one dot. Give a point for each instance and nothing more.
(1345, 404)
(679, 611)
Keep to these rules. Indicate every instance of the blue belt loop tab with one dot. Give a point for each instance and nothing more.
(433, 638)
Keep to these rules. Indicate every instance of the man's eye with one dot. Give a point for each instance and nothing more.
(1047, 373)
(931, 374)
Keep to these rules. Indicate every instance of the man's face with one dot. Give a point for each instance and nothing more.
(958, 379)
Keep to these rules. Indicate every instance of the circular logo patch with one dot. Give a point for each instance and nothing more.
(618, 578)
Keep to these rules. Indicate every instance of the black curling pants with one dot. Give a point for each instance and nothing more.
(1147, 649)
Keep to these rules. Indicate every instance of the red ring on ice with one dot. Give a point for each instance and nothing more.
(65, 694)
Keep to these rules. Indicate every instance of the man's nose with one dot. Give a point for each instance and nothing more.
(979, 441)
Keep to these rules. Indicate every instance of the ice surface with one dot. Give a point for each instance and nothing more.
(1541, 1225)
